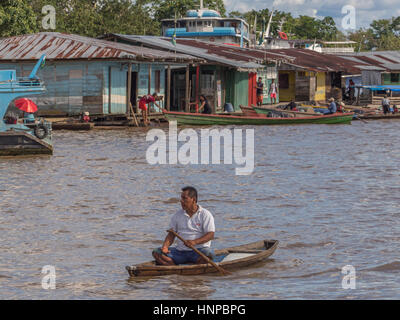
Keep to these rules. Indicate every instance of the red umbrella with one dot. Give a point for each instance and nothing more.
(26, 105)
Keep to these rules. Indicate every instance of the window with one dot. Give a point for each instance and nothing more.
(284, 81)
(207, 80)
(157, 80)
(301, 74)
(395, 77)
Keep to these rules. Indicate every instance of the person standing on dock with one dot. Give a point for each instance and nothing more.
(273, 91)
(144, 105)
(385, 104)
(196, 225)
(260, 91)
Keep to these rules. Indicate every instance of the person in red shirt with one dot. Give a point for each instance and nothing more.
(144, 105)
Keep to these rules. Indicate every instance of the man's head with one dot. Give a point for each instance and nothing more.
(259, 79)
(273, 80)
(189, 198)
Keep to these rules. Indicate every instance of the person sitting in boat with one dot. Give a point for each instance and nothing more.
(291, 106)
(144, 105)
(204, 105)
(196, 225)
(340, 106)
(11, 118)
(85, 117)
(332, 107)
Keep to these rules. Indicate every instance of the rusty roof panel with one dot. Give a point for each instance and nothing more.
(320, 62)
(240, 58)
(60, 46)
(382, 60)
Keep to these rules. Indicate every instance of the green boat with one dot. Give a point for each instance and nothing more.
(183, 118)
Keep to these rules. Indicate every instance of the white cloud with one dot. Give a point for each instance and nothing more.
(366, 10)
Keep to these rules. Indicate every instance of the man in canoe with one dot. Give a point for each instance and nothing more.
(194, 224)
(332, 108)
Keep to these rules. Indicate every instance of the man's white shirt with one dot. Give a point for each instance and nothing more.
(191, 228)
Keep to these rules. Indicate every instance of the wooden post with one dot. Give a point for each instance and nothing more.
(197, 87)
(109, 90)
(187, 96)
(149, 87)
(169, 88)
(129, 88)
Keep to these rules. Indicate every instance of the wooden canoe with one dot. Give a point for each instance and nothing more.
(183, 118)
(235, 257)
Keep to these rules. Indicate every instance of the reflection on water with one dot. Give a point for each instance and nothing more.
(330, 194)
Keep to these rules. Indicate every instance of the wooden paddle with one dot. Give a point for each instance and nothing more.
(220, 269)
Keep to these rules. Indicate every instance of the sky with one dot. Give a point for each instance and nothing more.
(365, 11)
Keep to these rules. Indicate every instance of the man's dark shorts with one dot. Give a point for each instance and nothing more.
(190, 256)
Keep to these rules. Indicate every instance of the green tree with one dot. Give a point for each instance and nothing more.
(303, 27)
(364, 38)
(121, 16)
(98, 17)
(166, 9)
(16, 17)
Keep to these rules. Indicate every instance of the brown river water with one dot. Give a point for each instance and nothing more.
(329, 193)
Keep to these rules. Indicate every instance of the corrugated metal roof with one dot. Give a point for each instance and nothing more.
(240, 58)
(371, 68)
(385, 60)
(320, 62)
(60, 46)
(392, 66)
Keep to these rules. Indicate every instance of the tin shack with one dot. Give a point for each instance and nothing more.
(228, 75)
(85, 74)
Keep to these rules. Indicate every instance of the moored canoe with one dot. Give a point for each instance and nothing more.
(183, 118)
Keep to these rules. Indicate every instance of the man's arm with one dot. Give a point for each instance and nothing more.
(207, 237)
(169, 240)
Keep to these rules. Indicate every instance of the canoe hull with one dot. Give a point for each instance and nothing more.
(264, 249)
(335, 118)
(210, 119)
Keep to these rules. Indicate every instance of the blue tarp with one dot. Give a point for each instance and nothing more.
(382, 88)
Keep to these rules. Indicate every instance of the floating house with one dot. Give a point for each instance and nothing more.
(85, 74)
(313, 76)
(378, 68)
(228, 75)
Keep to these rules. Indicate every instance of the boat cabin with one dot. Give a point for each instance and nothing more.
(208, 25)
